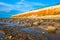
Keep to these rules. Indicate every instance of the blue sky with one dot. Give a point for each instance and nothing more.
(11, 7)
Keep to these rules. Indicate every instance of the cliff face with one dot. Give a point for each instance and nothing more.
(53, 10)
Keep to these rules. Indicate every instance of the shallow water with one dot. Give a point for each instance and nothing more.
(33, 30)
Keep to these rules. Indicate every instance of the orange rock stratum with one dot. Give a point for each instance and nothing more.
(52, 11)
